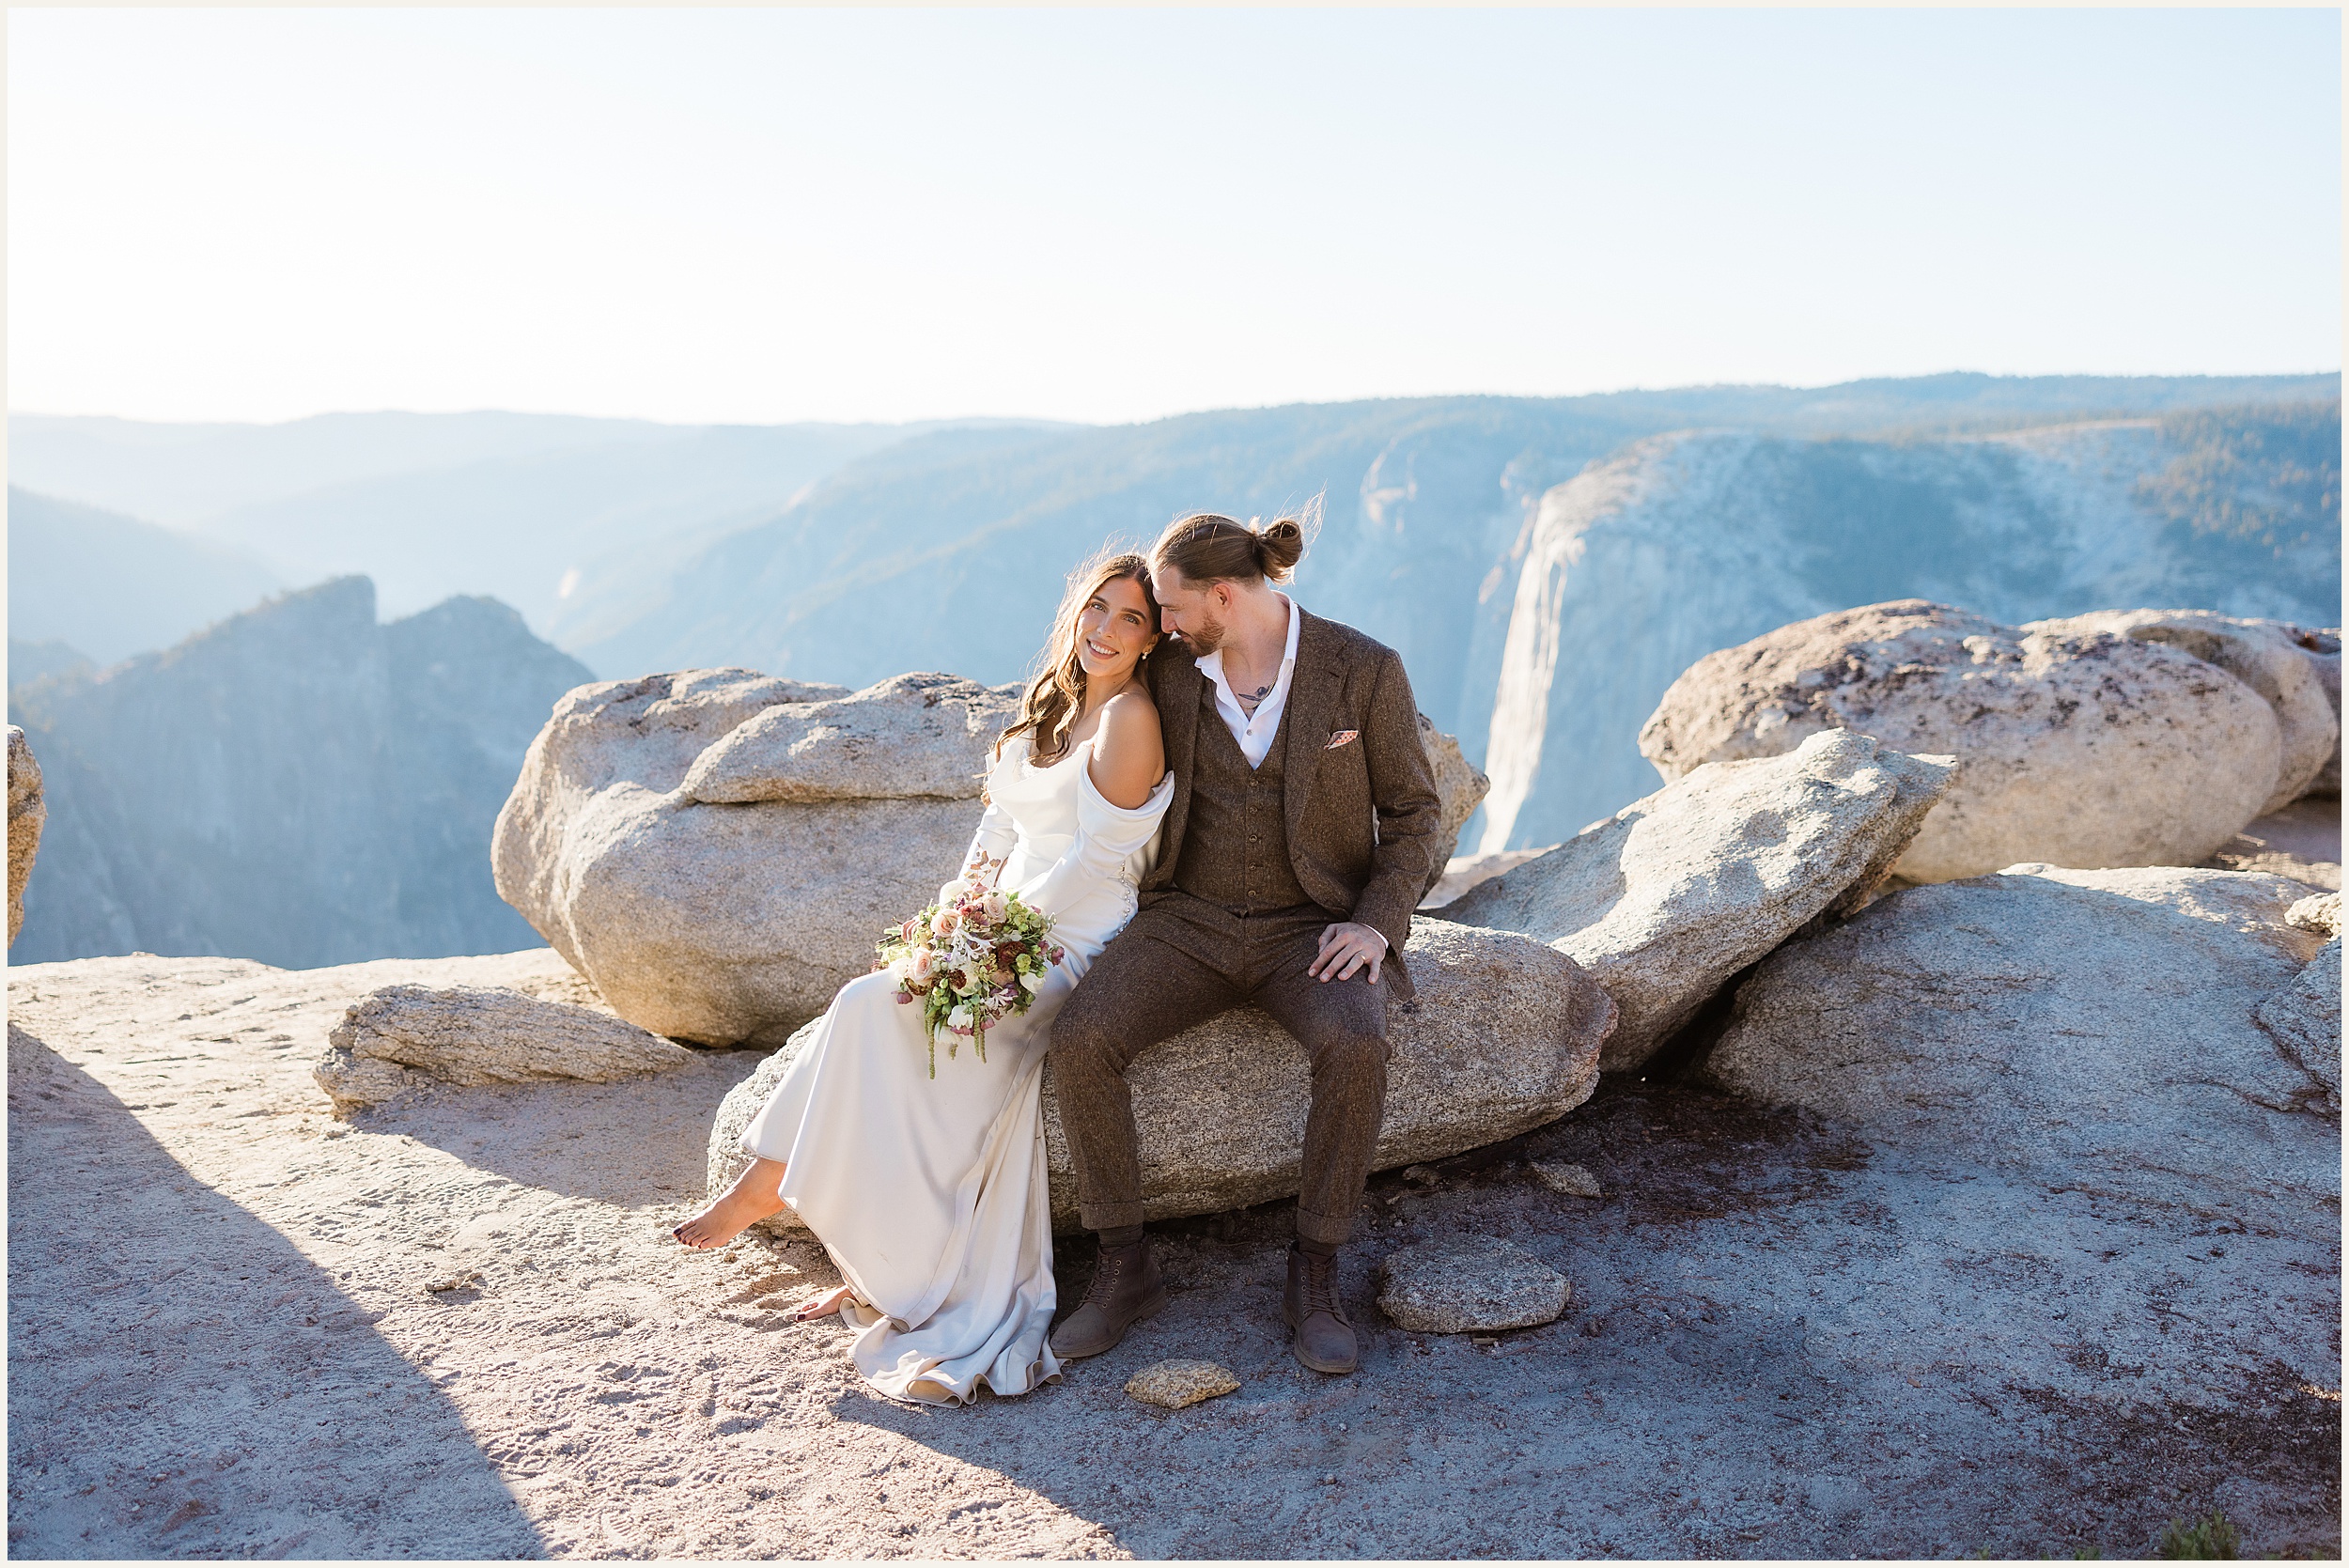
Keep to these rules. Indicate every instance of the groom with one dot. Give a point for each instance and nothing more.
(1295, 847)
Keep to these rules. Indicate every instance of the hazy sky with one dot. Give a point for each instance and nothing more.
(764, 215)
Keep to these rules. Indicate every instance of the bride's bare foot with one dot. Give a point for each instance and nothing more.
(824, 1305)
(754, 1195)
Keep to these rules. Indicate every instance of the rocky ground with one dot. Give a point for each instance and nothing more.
(456, 1325)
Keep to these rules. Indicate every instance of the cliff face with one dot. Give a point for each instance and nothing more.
(297, 785)
(1682, 544)
(945, 550)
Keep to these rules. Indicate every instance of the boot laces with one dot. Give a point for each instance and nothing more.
(1318, 1291)
(1106, 1275)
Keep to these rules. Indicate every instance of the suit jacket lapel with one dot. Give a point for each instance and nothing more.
(1313, 697)
(1177, 695)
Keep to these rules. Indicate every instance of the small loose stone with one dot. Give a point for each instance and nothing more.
(1573, 1181)
(1471, 1283)
(1175, 1384)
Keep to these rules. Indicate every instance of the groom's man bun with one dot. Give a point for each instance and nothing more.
(1207, 547)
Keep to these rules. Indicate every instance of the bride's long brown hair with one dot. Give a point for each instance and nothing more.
(1057, 695)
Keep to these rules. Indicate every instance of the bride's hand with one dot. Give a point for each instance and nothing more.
(981, 872)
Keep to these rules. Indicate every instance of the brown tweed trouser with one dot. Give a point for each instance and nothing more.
(1179, 963)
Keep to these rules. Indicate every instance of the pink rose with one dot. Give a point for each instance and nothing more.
(943, 923)
(919, 966)
(995, 907)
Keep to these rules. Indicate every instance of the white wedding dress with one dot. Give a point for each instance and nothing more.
(930, 1194)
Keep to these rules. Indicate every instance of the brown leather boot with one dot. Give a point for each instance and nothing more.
(1325, 1338)
(1126, 1289)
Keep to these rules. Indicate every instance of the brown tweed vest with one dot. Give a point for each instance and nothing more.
(1235, 849)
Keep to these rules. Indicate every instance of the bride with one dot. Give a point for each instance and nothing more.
(931, 1196)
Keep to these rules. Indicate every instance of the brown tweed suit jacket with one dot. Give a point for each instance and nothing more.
(1361, 814)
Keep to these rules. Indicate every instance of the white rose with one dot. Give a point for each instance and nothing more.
(959, 1017)
(1035, 983)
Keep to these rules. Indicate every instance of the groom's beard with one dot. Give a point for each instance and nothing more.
(1207, 638)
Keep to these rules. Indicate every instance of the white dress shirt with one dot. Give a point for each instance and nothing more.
(1256, 734)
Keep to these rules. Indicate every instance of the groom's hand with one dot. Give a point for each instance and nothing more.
(1346, 947)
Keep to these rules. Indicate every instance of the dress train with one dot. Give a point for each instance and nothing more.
(931, 1196)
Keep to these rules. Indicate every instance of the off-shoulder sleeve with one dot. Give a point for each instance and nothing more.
(1107, 834)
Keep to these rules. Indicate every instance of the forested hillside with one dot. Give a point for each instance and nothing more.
(297, 785)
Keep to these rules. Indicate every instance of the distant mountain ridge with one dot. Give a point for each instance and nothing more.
(946, 552)
(181, 474)
(512, 505)
(110, 585)
(297, 785)
(431, 504)
(848, 553)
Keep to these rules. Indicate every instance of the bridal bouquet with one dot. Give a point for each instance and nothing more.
(969, 963)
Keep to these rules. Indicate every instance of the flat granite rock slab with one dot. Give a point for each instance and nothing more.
(1784, 1342)
(1470, 1283)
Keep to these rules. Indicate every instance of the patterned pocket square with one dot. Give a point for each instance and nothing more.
(1339, 737)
